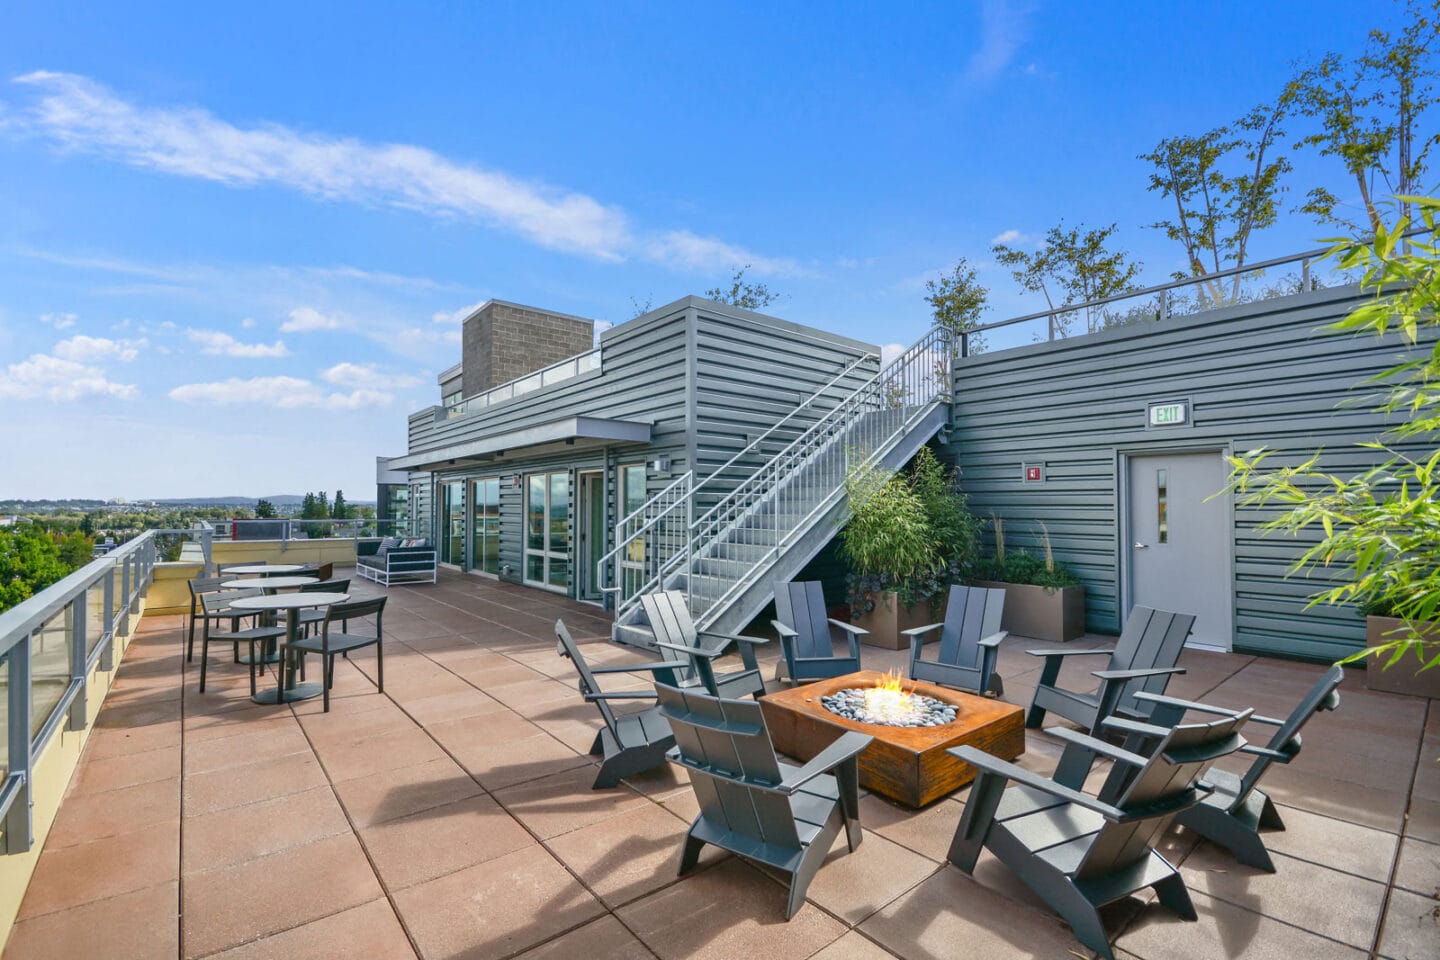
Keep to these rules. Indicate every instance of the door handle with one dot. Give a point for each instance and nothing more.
(1140, 546)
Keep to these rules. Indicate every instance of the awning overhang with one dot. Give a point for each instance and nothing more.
(557, 436)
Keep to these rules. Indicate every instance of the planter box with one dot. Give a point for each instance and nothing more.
(1042, 613)
(889, 617)
(1404, 676)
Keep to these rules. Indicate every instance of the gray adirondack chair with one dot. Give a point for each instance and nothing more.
(752, 804)
(1232, 815)
(630, 744)
(675, 633)
(807, 640)
(1078, 852)
(969, 640)
(1142, 659)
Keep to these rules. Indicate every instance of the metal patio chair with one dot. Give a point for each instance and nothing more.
(1233, 813)
(200, 587)
(969, 640)
(1078, 852)
(216, 608)
(631, 743)
(752, 804)
(329, 643)
(1143, 659)
(675, 633)
(807, 635)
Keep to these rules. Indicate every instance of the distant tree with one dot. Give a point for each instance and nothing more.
(339, 511)
(1225, 184)
(307, 505)
(1373, 116)
(264, 510)
(30, 561)
(87, 524)
(957, 300)
(1075, 265)
(742, 293)
(639, 309)
(75, 549)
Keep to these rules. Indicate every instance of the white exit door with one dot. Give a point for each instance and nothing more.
(1180, 541)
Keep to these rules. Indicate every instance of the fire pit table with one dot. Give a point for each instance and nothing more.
(908, 764)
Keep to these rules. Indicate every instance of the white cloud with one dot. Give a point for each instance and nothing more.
(283, 392)
(1002, 31)
(81, 115)
(308, 320)
(222, 344)
(60, 321)
(247, 323)
(684, 250)
(83, 349)
(456, 316)
(55, 378)
(366, 375)
(890, 351)
(1007, 236)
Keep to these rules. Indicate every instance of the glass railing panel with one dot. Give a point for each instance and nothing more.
(529, 384)
(560, 372)
(49, 667)
(4, 718)
(94, 615)
(590, 361)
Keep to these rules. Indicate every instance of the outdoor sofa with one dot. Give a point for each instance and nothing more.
(394, 560)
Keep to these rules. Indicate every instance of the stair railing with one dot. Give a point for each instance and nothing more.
(725, 549)
(732, 542)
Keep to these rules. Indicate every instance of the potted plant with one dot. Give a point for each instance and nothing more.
(1044, 600)
(909, 537)
(887, 542)
(1377, 528)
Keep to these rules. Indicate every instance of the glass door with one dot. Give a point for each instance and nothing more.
(547, 530)
(485, 534)
(452, 544)
(591, 507)
(632, 498)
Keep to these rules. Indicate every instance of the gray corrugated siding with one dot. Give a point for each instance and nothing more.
(642, 378)
(748, 372)
(1257, 374)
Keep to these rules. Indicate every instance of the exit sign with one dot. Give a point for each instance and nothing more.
(1169, 414)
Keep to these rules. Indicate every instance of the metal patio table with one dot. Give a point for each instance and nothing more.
(287, 690)
(264, 569)
(269, 585)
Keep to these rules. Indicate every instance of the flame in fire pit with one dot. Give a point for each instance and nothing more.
(889, 700)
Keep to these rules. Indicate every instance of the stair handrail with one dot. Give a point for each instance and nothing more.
(624, 538)
(807, 402)
(875, 394)
(887, 372)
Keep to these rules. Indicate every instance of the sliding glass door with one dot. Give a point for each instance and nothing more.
(452, 542)
(485, 534)
(547, 530)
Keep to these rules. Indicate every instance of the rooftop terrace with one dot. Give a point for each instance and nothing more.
(452, 817)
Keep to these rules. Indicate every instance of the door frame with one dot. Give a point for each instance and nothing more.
(585, 508)
(526, 551)
(1124, 585)
(471, 515)
(443, 513)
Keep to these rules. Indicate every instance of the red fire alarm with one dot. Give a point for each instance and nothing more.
(1034, 473)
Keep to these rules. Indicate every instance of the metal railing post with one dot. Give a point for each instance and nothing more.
(18, 836)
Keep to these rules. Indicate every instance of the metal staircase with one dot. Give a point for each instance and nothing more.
(725, 543)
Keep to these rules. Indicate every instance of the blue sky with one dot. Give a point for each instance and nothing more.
(235, 241)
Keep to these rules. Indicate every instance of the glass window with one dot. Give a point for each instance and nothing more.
(485, 539)
(1162, 506)
(547, 532)
(452, 547)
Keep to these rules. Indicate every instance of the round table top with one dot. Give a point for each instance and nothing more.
(261, 569)
(266, 583)
(288, 601)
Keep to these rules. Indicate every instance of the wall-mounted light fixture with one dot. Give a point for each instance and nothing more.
(660, 464)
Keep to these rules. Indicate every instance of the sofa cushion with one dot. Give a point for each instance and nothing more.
(386, 545)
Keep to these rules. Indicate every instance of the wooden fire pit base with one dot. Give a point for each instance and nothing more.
(909, 765)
